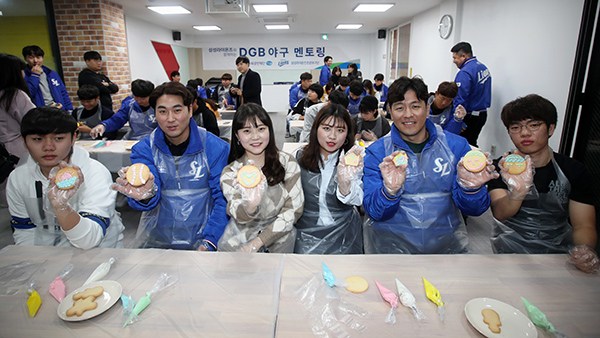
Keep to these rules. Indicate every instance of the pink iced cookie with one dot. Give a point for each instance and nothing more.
(66, 177)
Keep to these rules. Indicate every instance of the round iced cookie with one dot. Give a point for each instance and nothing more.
(516, 164)
(249, 176)
(65, 178)
(138, 174)
(357, 284)
(352, 159)
(474, 161)
(400, 159)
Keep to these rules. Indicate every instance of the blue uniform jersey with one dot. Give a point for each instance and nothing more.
(474, 83)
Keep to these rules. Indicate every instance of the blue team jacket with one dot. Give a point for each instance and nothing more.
(474, 83)
(57, 88)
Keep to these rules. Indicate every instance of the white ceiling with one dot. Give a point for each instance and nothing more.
(310, 16)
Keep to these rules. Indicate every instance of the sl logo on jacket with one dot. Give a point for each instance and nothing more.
(440, 167)
(196, 170)
(55, 83)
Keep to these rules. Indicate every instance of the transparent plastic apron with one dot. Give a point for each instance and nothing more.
(186, 201)
(47, 231)
(377, 130)
(344, 236)
(236, 235)
(427, 220)
(91, 121)
(541, 229)
(141, 124)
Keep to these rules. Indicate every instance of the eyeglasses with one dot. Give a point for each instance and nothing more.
(531, 126)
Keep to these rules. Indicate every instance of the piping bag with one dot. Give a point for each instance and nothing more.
(34, 301)
(57, 288)
(163, 282)
(539, 319)
(434, 295)
(391, 298)
(101, 271)
(330, 278)
(408, 300)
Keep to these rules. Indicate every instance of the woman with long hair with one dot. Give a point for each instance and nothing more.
(262, 216)
(336, 73)
(369, 87)
(354, 73)
(330, 223)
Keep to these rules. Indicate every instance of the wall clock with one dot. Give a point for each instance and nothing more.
(445, 26)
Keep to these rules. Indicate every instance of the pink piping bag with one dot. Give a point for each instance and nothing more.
(57, 288)
(391, 298)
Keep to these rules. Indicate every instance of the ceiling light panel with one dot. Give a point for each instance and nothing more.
(277, 26)
(207, 28)
(373, 7)
(276, 8)
(348, 26)
(166, 10)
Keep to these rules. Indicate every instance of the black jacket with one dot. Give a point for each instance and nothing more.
(88, 77)
(252, 87)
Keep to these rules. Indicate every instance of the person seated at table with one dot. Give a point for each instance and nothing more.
(381, 89)
(203, 116)
(299, 90)
(416, 207)
(336, 74)
(369, 89)
(315, 91)
(91, 112)
(182, 202)
(309, 116)
(442, 111)
(355, 92)
(330, 223)
(201, 91)
(262, 217)
(343, 83)
(353, 73)
(43, 214)
(369, 125)
(549, 207)
(221, 94)
(136, 110)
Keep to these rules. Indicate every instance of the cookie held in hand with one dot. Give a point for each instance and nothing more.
(249, 176)
(66, 177)
(138, 174)
(516, 164)
(474, 161)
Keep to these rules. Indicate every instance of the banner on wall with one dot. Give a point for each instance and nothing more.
(271, 57)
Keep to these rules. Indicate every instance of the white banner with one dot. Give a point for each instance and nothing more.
(271, 57)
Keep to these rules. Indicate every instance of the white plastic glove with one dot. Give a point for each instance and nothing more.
(141, 193)
(58, 197)
(251, 197)
(98, 130)
(460, 112)
(473, 181)
(348, 173)
(518, 185)
(584, 258)
(393, 177)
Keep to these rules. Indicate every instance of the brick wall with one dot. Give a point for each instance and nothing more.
(98, 25)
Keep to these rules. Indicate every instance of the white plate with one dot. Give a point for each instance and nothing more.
(112, 293)
(514, 323)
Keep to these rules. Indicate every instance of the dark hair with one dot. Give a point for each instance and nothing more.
(448, 89)
(32, 50)
(462, 47)
(335, 70)
(329, 87)
(402, 85)
(344, 81)
(354, 68)
(368, 103)
(199, 81)
(226, 76)
(311, 155)
(327, 58)
(378, 77)
(174, 73)
(305, 76)
(369, 87)
(91, 55)
(339, 97)
(212, 104)
(171, 88)
(317, 88)
(193, 91)
(11, 79)
(192, 83)
(47, 120)
(356, 87)
(532, 107)
(273, 169)
(142, 88)
(243, 59)
(88, 92)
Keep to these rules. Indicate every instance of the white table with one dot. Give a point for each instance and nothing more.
(296, 127)
(113, 154)
(225, 128)
(291, 147)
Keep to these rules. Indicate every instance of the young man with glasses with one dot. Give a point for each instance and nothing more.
(549, 207)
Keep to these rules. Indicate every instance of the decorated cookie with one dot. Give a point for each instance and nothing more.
(516, 164)
(475, 161)
(357, 284)
(249, 176)
(492, 319)
(400, 159)
(66, 177)
(91, 292)
(138, 174)
(81, 306)
(352, 159)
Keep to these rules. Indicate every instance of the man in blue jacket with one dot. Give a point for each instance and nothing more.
(443, 112)
(183, 204)
(325, 71)
(45, 86)
(299, 90)
(474, 83)
(415, 207)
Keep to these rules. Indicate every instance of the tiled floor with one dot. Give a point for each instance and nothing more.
(479, 228)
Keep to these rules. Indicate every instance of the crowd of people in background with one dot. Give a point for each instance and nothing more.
(308, 202)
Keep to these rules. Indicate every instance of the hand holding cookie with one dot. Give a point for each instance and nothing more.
(64, 183)
(350, 167)
(393, 175)
(474, 170)
(517, 173)
(143, 187)
(251, 183)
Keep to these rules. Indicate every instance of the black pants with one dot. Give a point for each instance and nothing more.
(474, 126)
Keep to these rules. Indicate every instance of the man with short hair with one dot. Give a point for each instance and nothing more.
(343, 83)
(549, 207)
(381, 89)
(356, 91)
(221, 94)
(442, 111)
(300, 89)
(136, 110)
(326, 70)
(92, 76)
(45, 86)
(249, 83)
(91, 112)
(83, 216)
(474, 83)
(415, 207)
(182, 201)
(175, 76)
